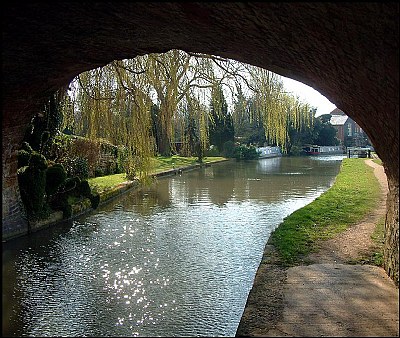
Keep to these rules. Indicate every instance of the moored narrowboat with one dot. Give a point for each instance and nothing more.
(323, 150)
(268, 152)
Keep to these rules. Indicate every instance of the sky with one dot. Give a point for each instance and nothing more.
(308, 94)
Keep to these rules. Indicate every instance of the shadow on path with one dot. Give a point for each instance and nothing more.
(328, 299)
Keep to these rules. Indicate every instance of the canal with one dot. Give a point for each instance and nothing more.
(175, 259)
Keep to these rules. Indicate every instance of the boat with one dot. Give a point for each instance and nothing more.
(323, 150)
(269, 152)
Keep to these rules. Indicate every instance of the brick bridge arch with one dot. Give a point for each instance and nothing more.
(348, 52)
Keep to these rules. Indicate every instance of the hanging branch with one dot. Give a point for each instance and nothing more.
(174, 76)
(91, 96)
(120, 64)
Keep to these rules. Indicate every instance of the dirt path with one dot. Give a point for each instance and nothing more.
(328, 297)
(356, 241)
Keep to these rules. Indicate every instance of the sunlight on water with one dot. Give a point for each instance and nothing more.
(176, 259)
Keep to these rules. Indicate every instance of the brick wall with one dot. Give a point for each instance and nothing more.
(14, 220)
(108, 159)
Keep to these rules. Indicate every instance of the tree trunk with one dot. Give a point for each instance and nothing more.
(164, 144)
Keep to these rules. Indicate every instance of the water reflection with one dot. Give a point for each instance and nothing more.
(175, 259)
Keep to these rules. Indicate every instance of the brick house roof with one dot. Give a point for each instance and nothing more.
(338, 118)
(337, 111)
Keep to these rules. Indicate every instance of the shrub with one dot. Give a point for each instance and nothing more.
(27, 147)
(55, 177)
(98, 172)
(73, 189)
(76, 166)
(23, 158)
(246, 153)
(229, 149)
(70, 184)
(110, 167)
(296, 151)
(83, 189)
(60, 147)
(67, 149)
(65, 207)
(32, 180)
(38, 161)
(81, 168)
(212, 151)
(67, 189)
(95, 200)
(87, 149)
(32, 184)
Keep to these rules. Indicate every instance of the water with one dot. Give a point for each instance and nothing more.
(176, 259)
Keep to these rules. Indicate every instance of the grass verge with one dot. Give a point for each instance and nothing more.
(375, 255)
(354, 194)
(160, 164)
(379, 239)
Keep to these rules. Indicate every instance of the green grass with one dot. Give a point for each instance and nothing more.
(375, 158)
(354, 194)
(106, 182)
(378, 237)
(377, 161)
(160, 164)
(375, 255)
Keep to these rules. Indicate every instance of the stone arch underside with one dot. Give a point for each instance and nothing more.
(348, 52)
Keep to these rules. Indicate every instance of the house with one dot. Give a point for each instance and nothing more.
(348, 132)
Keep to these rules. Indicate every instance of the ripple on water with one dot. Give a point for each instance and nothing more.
(178, 261)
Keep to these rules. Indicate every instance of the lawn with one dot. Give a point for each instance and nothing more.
(103, 183)
(161, 163)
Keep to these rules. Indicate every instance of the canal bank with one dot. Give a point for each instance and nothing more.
(330, 296)
(84, 206)
(176, 258)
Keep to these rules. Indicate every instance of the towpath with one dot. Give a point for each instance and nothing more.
(329, 297)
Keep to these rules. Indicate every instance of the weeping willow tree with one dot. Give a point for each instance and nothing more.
(300, 114)
(247, 121)
(183, 82)
(268, 105)
(164, 72)
(241, 113)
(192, 123)
(135, 119)
(118, 103)
(276, 108)
(113, 103)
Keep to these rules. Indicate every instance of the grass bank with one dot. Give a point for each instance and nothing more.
(353, 195)
(160, 164)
